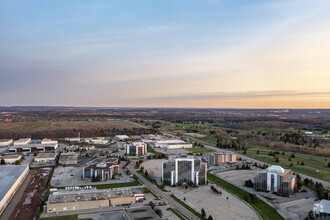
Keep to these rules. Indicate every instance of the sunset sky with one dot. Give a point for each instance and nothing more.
(150, 53)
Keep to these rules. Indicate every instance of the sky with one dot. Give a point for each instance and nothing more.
(150, 53)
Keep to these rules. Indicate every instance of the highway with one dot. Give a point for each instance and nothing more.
(165, 195)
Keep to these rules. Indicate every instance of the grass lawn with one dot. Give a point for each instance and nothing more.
(198, 150)
(312, 162)
(66, 217)
(264, 210)
(114, 185)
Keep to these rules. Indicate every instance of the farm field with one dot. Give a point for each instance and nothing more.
(57, 129)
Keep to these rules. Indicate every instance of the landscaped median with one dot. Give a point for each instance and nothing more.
(264, 210)
(152, 181)
(113, 185)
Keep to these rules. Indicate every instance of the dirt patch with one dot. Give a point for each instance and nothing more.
(29, 204)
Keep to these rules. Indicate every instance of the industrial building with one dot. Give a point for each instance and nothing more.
(121, 137)
(45, 157)
(75, 198)
(172, 144)
(321, 210)
(136, 149)
(28, 145)
(69, 158)
(276, 179)
(184, 170)
(11, 158)
(11, 178)
(101, 170)
(6, 142)
(215, 159)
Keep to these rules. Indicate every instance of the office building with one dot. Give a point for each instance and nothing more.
(136, 149)
(11, 158)
(215, 159)
(172, 144)
(184, 170)
(276, 179)
(101, 170)
(69, 158)
(45, 157)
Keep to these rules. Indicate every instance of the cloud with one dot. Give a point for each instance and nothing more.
(240, 95)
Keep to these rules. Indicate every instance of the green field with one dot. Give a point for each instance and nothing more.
(264, 210)
(312, 163)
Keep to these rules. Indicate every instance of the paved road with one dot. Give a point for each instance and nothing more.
(165, 195)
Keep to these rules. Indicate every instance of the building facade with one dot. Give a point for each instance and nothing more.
(136, 149)
(28, 145)
(215, 159)
(276, 179)
(101, 170)
(184, 170)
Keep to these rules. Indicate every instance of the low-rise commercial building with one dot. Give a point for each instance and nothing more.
(276, 179)
(136, 149)
(45, 157)
(28, 145)
(101, 170)
(321, 210)
(6, 142)
(69, 158)
(11, 158)
(184, 170)
(11, 178)
(64, 200)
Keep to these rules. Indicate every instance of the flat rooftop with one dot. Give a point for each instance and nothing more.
(64, 196)
(45, 155)
(141, 213)
(8, 176)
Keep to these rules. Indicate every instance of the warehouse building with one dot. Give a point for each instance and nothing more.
(136, 149)
(11, 159)
(184, 170)
(45, 157)
(172, 144)
(6, 142)
(69, 158)
(70, 200)
(101, 170)
(28, 145)
(11, 178)
(276, 179)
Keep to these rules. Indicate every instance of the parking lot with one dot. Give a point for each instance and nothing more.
(154, 168)
(214, 204)
(72, 176)
(294, 207)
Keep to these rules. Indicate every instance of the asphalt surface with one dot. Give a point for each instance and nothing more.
(165, 195)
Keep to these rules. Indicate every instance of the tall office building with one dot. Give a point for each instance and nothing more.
(136, 149)
(276, 179)
(182, 169)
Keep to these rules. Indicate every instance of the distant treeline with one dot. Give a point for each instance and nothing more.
(63, 132)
